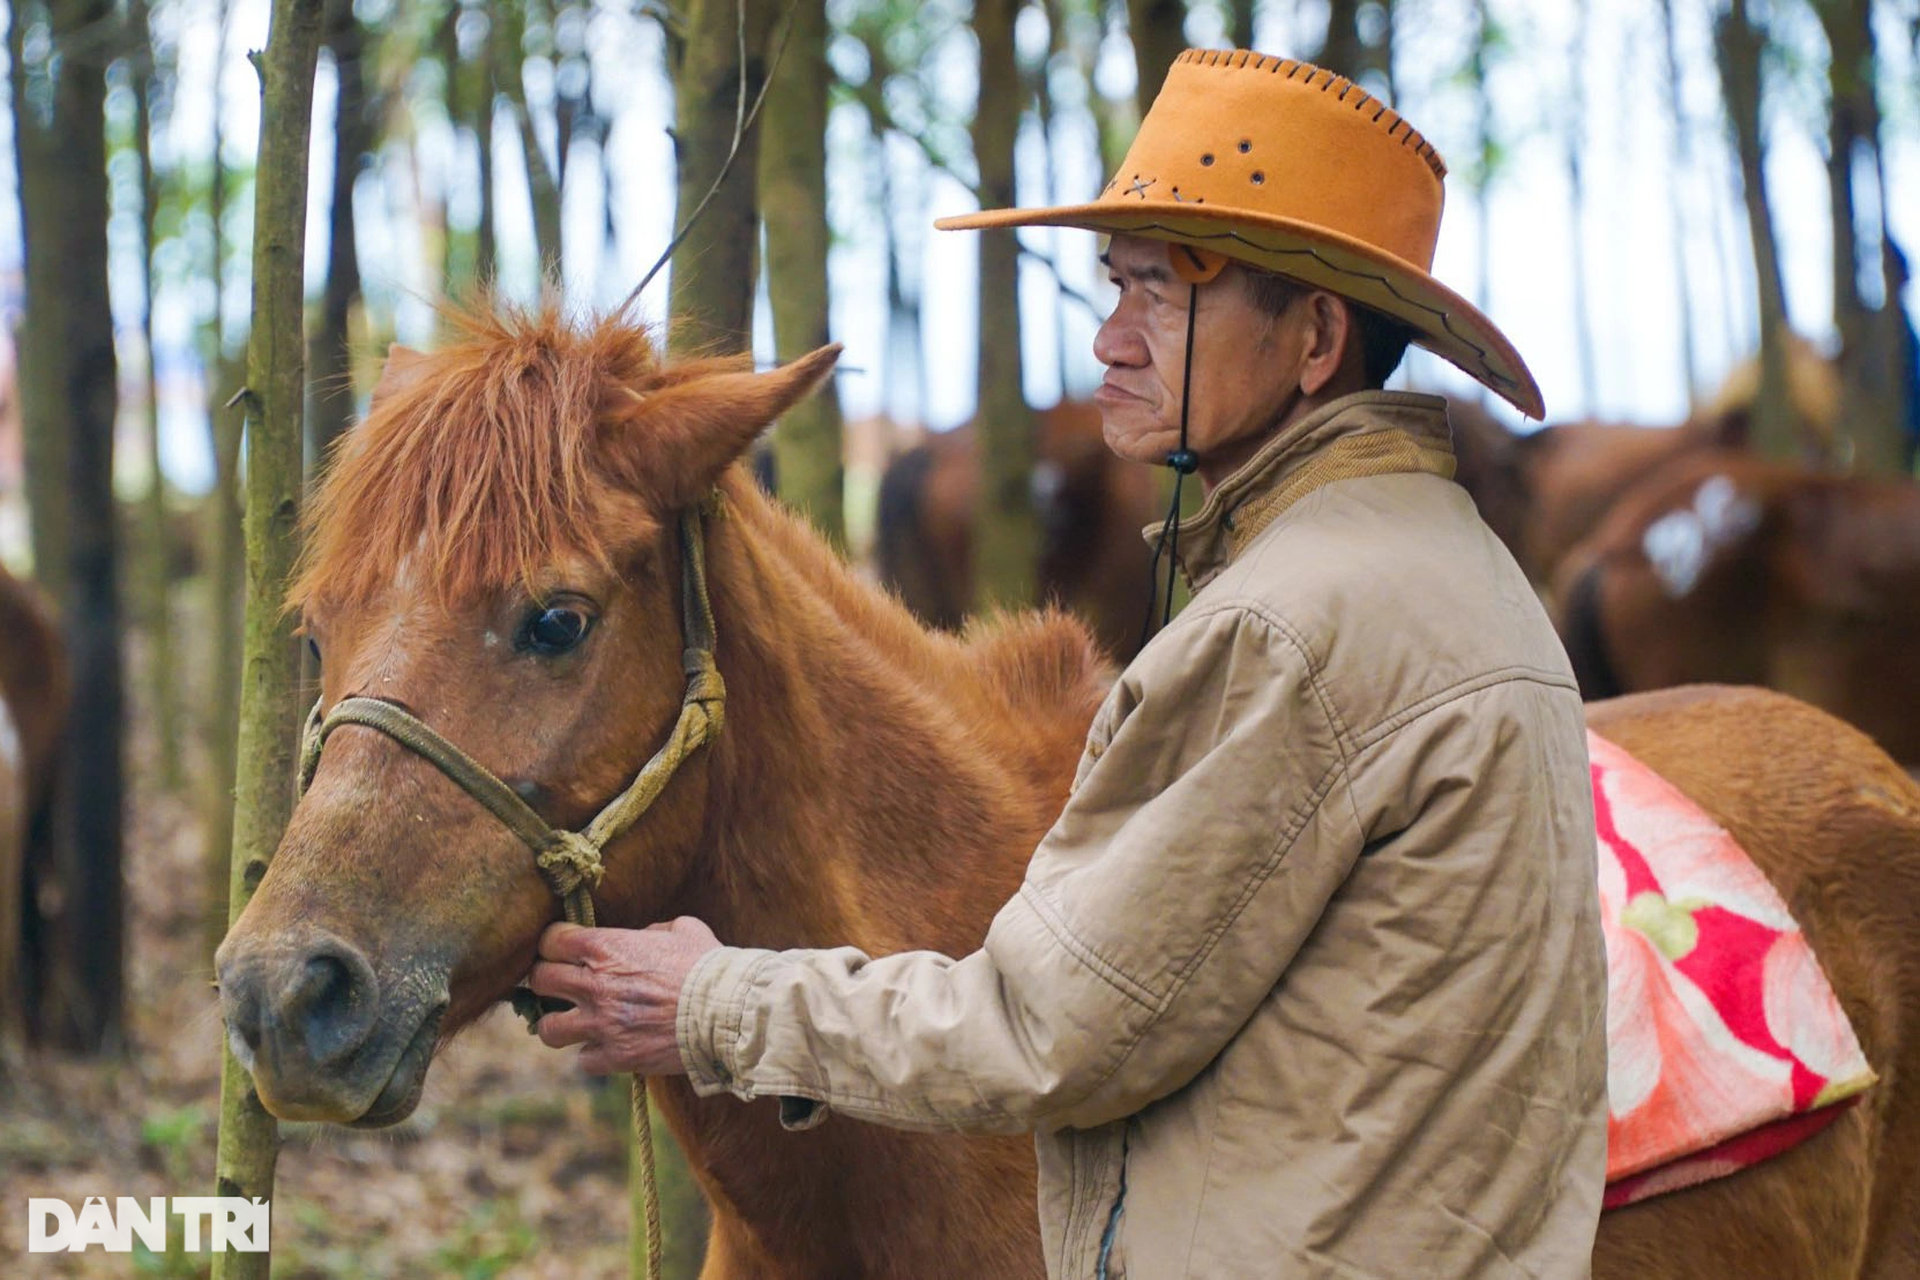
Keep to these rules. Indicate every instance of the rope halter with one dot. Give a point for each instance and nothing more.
(571, 862)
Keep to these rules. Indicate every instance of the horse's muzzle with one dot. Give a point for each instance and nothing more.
(306, 1016)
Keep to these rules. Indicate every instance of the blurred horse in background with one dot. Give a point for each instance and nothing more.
(1544, 491)
(1725, 567)
(1090, 505)
(33, 702)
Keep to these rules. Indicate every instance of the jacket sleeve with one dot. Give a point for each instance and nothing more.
(1209, 827)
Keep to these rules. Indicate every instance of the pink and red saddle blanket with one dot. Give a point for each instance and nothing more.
(1725, 1042)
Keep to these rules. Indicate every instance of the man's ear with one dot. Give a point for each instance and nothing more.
(404, 367)
(1329, 328)
(691, 431)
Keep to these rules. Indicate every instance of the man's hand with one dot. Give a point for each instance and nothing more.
(625, 988)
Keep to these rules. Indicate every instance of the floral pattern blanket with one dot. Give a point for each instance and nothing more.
(1725, 1042)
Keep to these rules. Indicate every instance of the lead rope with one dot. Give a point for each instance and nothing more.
(571, 861)
(1184, 462)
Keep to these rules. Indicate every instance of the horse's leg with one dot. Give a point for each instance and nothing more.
(1799, 1214)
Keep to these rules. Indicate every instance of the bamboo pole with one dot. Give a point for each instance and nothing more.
(269, 708)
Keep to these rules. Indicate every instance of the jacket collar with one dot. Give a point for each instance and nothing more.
(1366, 433)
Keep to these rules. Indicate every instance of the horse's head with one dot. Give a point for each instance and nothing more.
(495, 550)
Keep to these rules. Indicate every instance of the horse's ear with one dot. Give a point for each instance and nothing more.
(403, 369)
(695, 429)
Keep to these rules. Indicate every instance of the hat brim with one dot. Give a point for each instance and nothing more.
(1441, 320)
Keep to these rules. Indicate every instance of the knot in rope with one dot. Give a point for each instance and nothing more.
(569, 862)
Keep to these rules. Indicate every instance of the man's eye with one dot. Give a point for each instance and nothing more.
(549, 632)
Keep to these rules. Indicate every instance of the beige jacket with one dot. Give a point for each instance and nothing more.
(1307, 980)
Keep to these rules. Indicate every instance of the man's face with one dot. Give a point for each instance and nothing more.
(1247, 364)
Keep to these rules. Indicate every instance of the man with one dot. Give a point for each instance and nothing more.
(1307, 978)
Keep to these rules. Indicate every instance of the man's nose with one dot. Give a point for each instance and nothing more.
(1118, 342)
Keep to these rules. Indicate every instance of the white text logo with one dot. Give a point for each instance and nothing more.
(229, 1222)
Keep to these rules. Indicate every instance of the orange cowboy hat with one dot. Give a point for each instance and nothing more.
(1292, 169)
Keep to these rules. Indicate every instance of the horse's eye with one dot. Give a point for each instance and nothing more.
(554, 631)
(313, 647)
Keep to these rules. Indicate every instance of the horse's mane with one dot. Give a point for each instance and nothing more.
(477, 464)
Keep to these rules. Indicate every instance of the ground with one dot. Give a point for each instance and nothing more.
(514, 1164)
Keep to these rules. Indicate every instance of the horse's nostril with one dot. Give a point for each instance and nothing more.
(329, 1002)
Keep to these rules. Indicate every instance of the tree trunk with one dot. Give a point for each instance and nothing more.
(269, 705)
(331, 356)
(1576, 183)
(1483, 159)
(542, 185)
(224, 537)
(1008, 540)
(807, 448)
(1159, 29)
(1682, 166)
(1343, 51)
(68, 390)
(1738, 46)
(43, 441)
(1241, 23)
(485, 257)
(155, 572)
(1872, 338)
(710, 297)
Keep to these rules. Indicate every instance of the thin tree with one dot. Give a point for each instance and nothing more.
(1872, 339)
(1343, 50)
(154, 570)
(269, 704)
(67, 388)
(543, 181)
(721, 66)
(1576, 142)
(43, 440)
(225, 535)
(1682, 167)
(353, 139)
(807, 447)
(1240, 23)
(1004, 547)
(1159, 30)
(1739, 48)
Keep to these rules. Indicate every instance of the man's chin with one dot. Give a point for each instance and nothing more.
(1137, 443)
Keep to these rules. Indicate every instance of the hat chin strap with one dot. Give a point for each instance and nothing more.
(1184, 462)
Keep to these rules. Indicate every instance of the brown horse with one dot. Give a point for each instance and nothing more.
(1541, 493)
(1091, 507)
(1726, 567)
(33, 702)
(877, 784)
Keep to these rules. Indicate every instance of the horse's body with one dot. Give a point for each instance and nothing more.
(1541, 493)
(1725, 567)
(1091, 507)
(33, 698)
(1544, 491)
(876, 784)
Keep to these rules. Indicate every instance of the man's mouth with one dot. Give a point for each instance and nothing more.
(1113, 391)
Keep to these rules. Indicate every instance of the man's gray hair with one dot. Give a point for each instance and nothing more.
(1383, 340)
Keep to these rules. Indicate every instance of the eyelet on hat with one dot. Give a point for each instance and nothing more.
(1246, 145)
(1207, 158)
(1258, 177)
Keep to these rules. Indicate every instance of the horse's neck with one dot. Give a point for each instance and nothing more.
(874, 784)
(849, 803)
